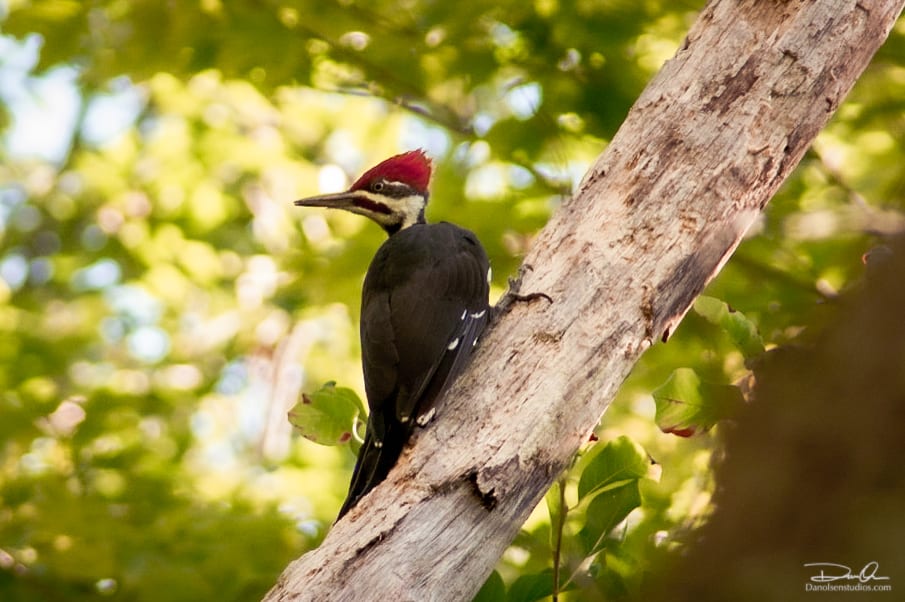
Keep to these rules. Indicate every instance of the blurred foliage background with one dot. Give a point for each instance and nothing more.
(162, 303)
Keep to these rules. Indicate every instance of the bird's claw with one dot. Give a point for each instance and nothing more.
(513, 295)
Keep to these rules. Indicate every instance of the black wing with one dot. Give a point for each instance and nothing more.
(424, 305)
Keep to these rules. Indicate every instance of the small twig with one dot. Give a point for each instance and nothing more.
(560, 527)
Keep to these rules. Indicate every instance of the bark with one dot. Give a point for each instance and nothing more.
(698, 157)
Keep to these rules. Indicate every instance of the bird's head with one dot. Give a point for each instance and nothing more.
(393, 193)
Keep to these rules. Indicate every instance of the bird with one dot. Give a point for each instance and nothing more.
(424, 304)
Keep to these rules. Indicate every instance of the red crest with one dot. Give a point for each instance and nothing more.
(412, 168)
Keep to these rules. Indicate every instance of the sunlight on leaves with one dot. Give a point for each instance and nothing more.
(687, 406)
(329, 416)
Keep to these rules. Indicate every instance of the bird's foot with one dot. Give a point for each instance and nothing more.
(424, 419)
(513, 295)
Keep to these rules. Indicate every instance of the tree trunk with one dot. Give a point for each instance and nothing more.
(699, 155)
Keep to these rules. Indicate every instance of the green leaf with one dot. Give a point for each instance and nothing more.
(620, 461)
(531, 587)
(328, 416)
(606, 510)
(686, 405)
(493, 589)
(740, 329)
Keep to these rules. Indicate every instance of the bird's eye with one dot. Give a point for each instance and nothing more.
(377, 186)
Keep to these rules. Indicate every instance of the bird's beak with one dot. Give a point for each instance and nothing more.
(337, 200)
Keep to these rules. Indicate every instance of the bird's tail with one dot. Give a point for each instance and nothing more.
(374, 463)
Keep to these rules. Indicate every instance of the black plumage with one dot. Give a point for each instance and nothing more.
(424, 304)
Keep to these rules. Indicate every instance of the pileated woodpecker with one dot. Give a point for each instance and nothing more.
(423, 305)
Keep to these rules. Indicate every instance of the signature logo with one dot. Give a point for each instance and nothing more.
(830, 571)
